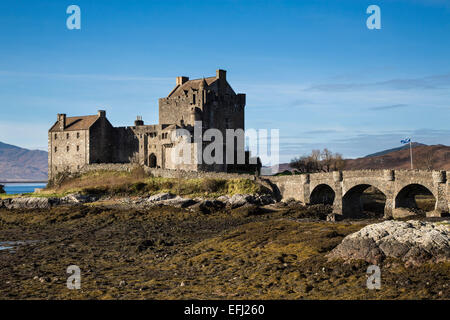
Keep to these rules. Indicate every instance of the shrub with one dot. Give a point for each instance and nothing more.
(2, 189)
(138, 172)
(213, 185)
(138, 187)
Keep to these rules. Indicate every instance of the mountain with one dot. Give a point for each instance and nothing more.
(382, 153)
(19, 164)
(424, 157)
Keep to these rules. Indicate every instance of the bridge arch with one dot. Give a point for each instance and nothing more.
(322, 193)
(416, 196)
(363, 197)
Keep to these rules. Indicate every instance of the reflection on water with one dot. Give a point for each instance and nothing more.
(17, 188)
(11, 245)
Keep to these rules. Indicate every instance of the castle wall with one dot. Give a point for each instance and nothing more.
(102, 142)
(68, 151)
(126, 145)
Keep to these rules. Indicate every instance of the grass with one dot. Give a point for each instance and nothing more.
(114, 183)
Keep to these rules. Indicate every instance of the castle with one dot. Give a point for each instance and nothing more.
(74, 142)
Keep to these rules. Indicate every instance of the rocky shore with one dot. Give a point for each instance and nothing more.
(167, 199)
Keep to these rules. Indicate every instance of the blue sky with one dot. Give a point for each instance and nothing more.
(309, 68)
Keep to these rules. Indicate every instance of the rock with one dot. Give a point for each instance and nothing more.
(435, 214)
(179, 202)
(224, 199)
(122, 283)
(29, 203)
(399, 213)
(208, 206)
(238, 200)
(44, 279)
(414, 242)
(263, 200)
(76, 198)
(160, 197)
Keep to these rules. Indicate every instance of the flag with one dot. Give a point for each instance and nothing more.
(405, 141)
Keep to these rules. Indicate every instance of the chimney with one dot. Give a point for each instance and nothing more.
(62, 121)
(139, 121)
(182, 80)
(221, 74)
(101, 113)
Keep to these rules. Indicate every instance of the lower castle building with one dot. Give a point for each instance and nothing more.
(74, 142)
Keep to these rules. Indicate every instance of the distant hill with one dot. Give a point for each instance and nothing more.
(424, 157)
(381, 153)
(19, 164)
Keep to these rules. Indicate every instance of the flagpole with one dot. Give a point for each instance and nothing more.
(410, 153)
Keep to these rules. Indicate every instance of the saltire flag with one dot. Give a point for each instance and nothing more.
(405, 141)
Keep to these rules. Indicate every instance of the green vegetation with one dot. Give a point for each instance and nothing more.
(137, 182)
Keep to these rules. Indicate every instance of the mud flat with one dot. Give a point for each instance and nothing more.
(162, 252)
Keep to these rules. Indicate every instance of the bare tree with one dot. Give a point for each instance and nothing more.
(426, 162)
(318, 161)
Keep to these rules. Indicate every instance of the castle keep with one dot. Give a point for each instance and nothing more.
(74, 142)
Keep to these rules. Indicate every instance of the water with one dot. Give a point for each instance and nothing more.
(11, 245)
(16, 188)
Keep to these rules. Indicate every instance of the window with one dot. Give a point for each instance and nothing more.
(67, 148)
(56, 149)
(67, 135)
(56, 136)
(78, 135)
(56, 168)
(193, 99)
(78, 148)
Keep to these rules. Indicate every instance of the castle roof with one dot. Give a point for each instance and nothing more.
(76, 123)
(191, 84)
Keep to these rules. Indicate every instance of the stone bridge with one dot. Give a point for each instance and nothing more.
(343, 189)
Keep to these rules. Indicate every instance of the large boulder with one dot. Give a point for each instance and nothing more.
(414, 242)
